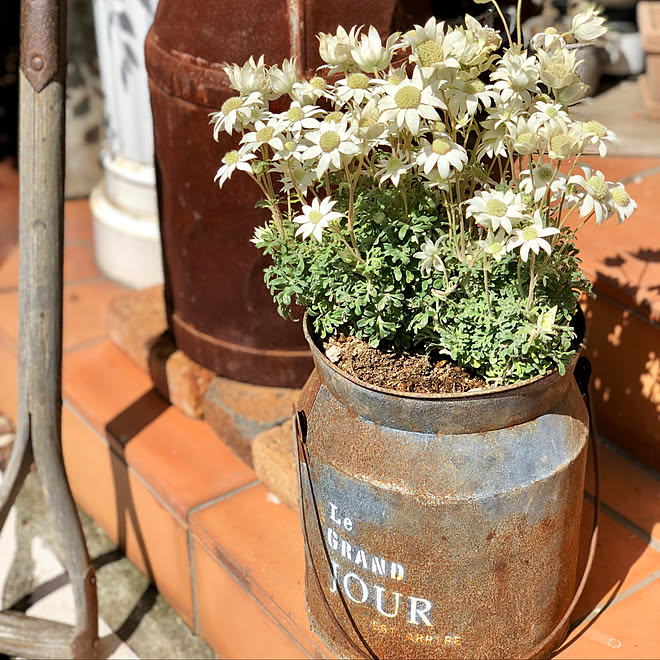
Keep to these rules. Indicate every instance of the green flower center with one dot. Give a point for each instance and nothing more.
(232, 157)
(408, 97)
(496, 207)
(544, 173)
(551, 112)
(595, 128)
(524, 138)
(357, 81)
(598, 187)
(264, 134)
(561, 144)
(335, 116)
(295, 113)
(530, 233)
(495, 247)
(441, 146)
(620, 197)
(315, 217)
(395, 78)
(234, 103)
(317, 83)
(474, 86)
(329, 141)
(430, 53)
(290, 145)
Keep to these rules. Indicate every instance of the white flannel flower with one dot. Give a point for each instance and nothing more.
(524, 135)
(587, 26)
(393, 167)
(548, 112)
(430, 256)
(232, 161)
(316, 217)
(308, 92)
(265, 134)
(236, 113)
(281, 81)
(251, 77)
(408, 102)
(367, 125)
(494, 244)
(493, 209)
(291, 148)
(543, 178)
(477, 43)
(465, 94)
(548, 40)
(354, 87)
(433, 181)
(597, 134)
(532, 237)
(335, 49)
(299, 117)
(558, 69)
(426, 43)
(562, 139)
(623, 204)
(516, 75)
(596, 196)
(370, 54)
(295, 177)
(330, 143)
(442, 154)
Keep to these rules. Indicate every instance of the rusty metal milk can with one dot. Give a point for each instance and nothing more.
(219, 309)
(440, 526)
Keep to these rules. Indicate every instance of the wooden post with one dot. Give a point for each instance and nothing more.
(41, 165)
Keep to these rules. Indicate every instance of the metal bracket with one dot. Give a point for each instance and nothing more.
(40, 53)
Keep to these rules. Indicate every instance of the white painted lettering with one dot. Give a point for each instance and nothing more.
(335, 577)
(361, 559)
(379, 602)
(333, 538)
(363, 587)
(378, 566)
(333, 514)
(418, 607)
(346, 549)
(396, 571)
(348, 524)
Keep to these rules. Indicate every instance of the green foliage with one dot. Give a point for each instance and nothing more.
(386, 298)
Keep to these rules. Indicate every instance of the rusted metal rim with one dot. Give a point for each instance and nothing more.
(475, 411)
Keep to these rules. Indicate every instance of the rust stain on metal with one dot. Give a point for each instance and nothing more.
(456, 544)
(41, 59)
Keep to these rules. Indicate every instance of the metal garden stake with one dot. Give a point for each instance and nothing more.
(38, 437)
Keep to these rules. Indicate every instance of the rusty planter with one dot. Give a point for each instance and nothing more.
(447, 526)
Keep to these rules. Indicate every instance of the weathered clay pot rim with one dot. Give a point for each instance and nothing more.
(440, 396)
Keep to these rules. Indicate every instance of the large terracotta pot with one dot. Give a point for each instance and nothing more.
(220, 311)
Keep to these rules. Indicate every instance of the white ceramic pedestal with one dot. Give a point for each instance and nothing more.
(126, 234)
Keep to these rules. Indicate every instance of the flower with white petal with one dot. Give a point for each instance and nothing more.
(494, 244)
(354, 87)
(441, 154)
(331, 143)
(430, 257)
(596, 197)
(295, 177)
(532, 237)
(587, 26)
(299, 117)
(409, 102)
(543, 178)
(367, 125)
(370, 54)
(623, 204)
(516, 75)
(316, 217)
(559, 68)
(493, 209)
(291, 148)
(232, 161)
(465, 93)
(548, 40)
(524, 135)
(281, 81)
(265, 134)
(335, 49)
(562, 140)
(426, 43)
(549, 112)
(236, 113)
(433, 181)
(251, 77)
(308, 92)
(597, 134)
(392, 167)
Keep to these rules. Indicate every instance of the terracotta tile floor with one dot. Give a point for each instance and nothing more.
(223, 551)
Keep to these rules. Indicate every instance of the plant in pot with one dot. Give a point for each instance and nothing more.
(424, 196)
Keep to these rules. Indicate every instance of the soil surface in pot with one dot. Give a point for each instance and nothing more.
(397, 369)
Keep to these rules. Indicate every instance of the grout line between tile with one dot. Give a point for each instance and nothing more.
(622, 596)
(624, 522)
(219, 498)
(85, 344)
(626, 308)
(625, 456)
(636, 178)
(193, 581)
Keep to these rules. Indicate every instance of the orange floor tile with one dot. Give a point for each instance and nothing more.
(225, 554)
